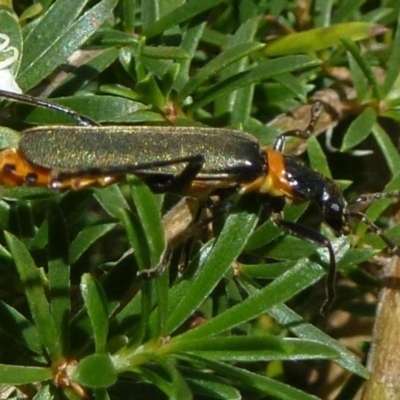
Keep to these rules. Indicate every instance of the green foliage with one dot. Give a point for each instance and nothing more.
(77, 311)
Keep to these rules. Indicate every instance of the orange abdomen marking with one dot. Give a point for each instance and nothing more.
(275, 181)
(277, 173)
(15, 170)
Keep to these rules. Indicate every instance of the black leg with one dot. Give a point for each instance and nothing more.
(158, 182)
(303, 232)
(178, 183)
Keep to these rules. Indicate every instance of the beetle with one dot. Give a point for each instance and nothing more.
(194, 161)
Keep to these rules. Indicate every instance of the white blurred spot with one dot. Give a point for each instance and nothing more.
(8, 56)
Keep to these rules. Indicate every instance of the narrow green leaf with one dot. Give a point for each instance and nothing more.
(24, 223)
(364, 66)
(32, 11)
(171, 382)
(99, 108)
(96, 305)
(293, 85)
(317, 157)
(165, 53)
(178, 15)
(128, 15)
(393, 64)
(360, 82)
(189, 43)
(359, 129)
(227, 248)
(296, 324)
(252, 349)
(263, 235)
(387, 147)
(165, 7)
(169, 78)
(299, 248)
(29, 193)
(111, 199)
(378, 207)
(56, 50)
(322, 13)
(179, 386)
(264, 70)
(356, 256)
(207, 384)
(18, 375)
(142, 117)
(85, 238)
(218, 63)
(11, 323)
(215, 38)
(274, 388)
(146, 255)
(59, 273)
(150, 13)
(35, 293)
(48, 31)
(302, 275)
(136, 237)
(322, 38)
(150, 91)
(266, 271)
(286, 286)
(394, 183)
(239, 104)
(148, 208)
(344, 11)
(268, 231)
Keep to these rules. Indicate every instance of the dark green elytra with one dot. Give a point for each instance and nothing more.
(228, 153)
